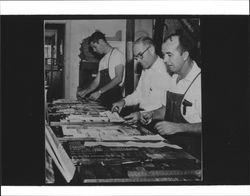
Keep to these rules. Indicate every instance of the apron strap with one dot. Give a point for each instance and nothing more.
(110, 56)
(192, 83)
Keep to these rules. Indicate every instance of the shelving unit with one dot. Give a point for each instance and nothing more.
(54, 60)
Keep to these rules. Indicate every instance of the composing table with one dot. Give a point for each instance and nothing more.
(104, 149)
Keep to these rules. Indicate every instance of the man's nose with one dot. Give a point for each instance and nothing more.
(166, 59)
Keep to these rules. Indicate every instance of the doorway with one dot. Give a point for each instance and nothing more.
(54, 60)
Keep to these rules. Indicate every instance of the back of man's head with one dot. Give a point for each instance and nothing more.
(96, 36)
(147, 41)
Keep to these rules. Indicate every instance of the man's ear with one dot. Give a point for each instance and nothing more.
(185, 55)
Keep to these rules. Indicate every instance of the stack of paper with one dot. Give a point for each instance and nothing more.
(65, 101)
(108, 133)
(160, 144)
(58, 154)
(86, 118)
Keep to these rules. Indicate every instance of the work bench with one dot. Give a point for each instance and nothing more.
(104, 149)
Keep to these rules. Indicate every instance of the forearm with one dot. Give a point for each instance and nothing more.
(132, 99)
(191, 127)
(114, 82)
(92, 86)
(159, 114)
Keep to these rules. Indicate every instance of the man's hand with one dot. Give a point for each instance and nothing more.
(146, 117)
(132, 118)
(95, 95)
(117, 106)
(82, 93)
(168, 128)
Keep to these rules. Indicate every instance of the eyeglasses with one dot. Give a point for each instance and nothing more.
(140, 54)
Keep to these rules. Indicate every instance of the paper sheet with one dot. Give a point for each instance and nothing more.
(133, 144)
(108, 133)
(113, 117)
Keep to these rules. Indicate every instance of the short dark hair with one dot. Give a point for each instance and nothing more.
(145, 41)
(185, 44)
(97, 35)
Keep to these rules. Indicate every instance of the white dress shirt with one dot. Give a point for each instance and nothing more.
(151, 88)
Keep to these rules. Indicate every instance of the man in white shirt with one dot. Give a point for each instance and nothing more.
(152, 84)
(110, 78)
(180, 117)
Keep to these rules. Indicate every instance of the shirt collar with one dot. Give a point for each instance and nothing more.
(193, 72)
(154, 66)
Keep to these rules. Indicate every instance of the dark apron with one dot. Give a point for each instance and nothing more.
(112, 95)
(190, 142)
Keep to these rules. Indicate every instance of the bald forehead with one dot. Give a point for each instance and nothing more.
(173, 41)
(139, 46)
(170, 44)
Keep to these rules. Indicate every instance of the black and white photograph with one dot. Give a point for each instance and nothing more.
(122, 101)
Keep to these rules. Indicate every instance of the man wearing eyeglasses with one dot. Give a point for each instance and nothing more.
(152, 84)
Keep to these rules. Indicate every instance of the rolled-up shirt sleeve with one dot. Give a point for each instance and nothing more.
(135, 97)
